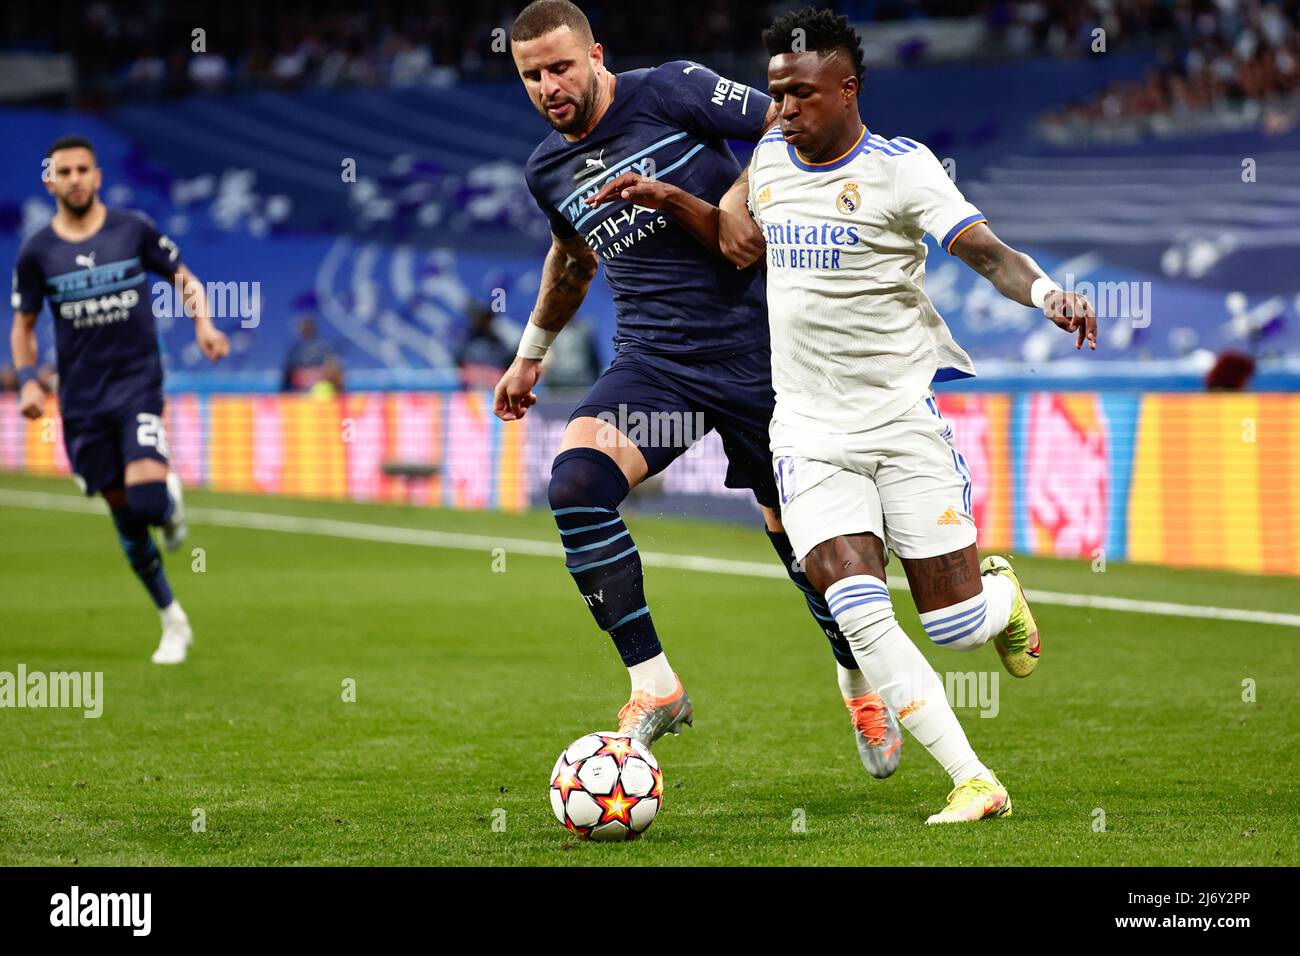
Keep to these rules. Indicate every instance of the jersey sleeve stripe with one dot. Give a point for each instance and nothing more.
(596, 177)
(961, 227)
(660, 175)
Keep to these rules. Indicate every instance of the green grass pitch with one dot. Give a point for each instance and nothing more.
(470, 681)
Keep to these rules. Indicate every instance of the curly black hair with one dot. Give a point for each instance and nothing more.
(816, 31)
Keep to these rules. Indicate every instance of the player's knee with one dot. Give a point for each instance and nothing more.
(115, 498)
(959, 627)
(149, 501)
(772, 518)
(862, 608)
(586, 478)
(858, 556)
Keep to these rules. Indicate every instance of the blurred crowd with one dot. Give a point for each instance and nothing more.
(1231, 52)
(145, 48)
(313, 364)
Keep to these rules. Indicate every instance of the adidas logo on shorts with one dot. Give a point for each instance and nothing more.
(949, 517)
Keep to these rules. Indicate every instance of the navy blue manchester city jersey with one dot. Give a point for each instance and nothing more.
(671, 295)
(98, 293)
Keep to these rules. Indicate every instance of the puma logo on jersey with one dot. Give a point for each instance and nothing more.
(87, 261)
(589, 164)
(949, 517)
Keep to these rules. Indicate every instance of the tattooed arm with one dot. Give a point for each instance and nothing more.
(566, 276)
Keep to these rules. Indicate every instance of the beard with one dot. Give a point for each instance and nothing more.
(79, 209)
(583, 107)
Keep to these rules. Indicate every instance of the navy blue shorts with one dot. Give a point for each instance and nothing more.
(663, 404)
(100, 444)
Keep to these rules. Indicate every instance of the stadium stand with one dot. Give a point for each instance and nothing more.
(385, 198)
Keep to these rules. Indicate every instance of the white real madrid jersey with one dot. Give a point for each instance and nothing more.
(855, 339)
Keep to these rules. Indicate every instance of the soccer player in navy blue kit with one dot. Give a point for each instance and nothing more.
(90, 264)
(692, 335)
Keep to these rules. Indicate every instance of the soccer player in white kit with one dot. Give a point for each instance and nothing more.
(863, 459)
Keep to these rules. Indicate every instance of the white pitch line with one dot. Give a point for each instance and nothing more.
(356, 530)
(1166, 608)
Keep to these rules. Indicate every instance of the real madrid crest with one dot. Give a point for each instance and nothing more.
(849, 199)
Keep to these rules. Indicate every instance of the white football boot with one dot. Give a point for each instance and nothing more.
(175, 530)
(176, 636)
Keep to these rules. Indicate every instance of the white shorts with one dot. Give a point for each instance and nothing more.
(905, 482)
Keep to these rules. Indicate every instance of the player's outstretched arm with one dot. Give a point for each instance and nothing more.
(211, 340)
(23, 347)
(1019, 278)
(699, 218)
(567, 273)
(726, 229)
(739, 237)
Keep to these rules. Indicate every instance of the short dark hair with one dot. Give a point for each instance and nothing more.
(542, 16)
(821, 31)
(70, 142)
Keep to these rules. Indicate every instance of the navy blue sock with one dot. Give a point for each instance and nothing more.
(150, 502)
(142, 553)
(585, 492)
(816, 603)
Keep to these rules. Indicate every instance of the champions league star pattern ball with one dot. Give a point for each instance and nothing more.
(606, 786)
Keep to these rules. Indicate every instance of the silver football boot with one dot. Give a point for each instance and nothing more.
(646, 718)
(876, 730)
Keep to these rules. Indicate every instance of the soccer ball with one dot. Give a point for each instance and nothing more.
(606, 786)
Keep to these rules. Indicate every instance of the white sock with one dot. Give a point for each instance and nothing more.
(1001, 596)
(654, 676)
(900, 674)
(172, 612)
(853, 683)
(969, 624)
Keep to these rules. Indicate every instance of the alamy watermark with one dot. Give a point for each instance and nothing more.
(226, 300)
(963, 690)
(1130, 301)
(133, 911)
(76, 690)
(652, 429)
(973, 689)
